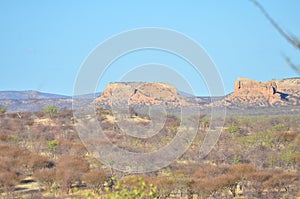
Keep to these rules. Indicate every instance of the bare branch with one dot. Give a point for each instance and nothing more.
(289, 37)
(292, 65)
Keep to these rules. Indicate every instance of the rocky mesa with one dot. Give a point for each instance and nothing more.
(141, 93)
(248, 92)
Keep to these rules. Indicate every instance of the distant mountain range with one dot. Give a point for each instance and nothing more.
(19, 101)
(28, 95)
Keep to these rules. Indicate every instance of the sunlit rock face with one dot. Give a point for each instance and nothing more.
(273, 92)
(139, 93)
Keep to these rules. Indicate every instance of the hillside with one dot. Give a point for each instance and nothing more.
(27, 95)
(16, 101)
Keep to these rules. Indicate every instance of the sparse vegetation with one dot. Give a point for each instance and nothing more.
(2, 109)
(51, 110)
(255, 157)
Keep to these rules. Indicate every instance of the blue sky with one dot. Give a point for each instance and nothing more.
(44, 43)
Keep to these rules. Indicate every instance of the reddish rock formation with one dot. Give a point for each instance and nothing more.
(138, 93)
(247, 92)
(252, 92)
(253, 87)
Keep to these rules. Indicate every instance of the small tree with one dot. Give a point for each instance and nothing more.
(12, 161)
(283, 184)
(165, 186)
(37, 162)
(46, 177)
(69, 170)
(2, 109)
(51, 110)
(254, 188)
(8, 181)
(95, 180)
(52, 145)
(233, 129)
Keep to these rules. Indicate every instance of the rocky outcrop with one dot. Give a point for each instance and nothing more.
(253, 87)
(139, 93)
(247, 93)
(274, 92)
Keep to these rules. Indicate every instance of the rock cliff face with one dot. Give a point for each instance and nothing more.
(247, 86)
(138, 93)
(247, 93)
(270, 93)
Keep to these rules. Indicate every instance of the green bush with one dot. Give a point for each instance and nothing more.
(52, 145)
(233, 129)
(51, 110)
(3, 109)
(133, 187)
(280, 128)
(288, 157)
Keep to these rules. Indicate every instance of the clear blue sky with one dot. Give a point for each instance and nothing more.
(43, 43)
